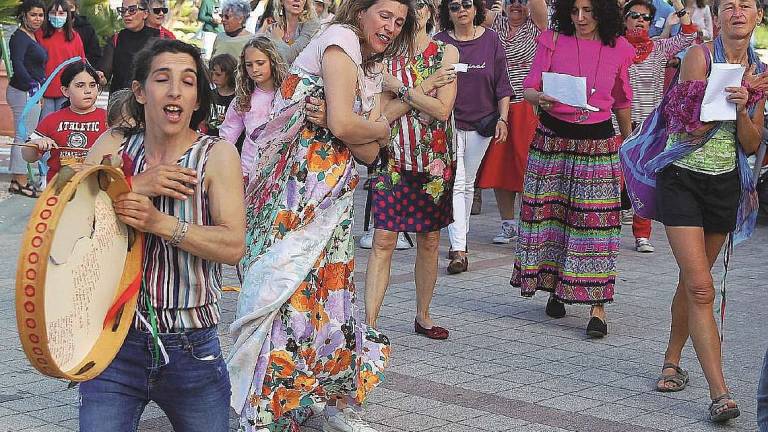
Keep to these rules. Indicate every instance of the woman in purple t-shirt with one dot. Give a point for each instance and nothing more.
(482, 104)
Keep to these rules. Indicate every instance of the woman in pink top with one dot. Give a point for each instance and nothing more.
(260, 72)
(569, 219)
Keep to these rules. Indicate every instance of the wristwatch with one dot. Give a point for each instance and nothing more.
(681, 12)
(402, 92)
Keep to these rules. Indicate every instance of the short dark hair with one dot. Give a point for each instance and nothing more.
(445, 14)
(142, 64)
(644, 3)
(227, 64)
(49, 30)
(607, 15)
(70, 72)
(26, 6)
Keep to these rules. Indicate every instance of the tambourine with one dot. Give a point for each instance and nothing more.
(78, 275)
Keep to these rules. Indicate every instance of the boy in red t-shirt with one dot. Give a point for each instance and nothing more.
(69, 132)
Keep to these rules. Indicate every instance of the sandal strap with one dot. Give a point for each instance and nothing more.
(720, 399)
(677, 368)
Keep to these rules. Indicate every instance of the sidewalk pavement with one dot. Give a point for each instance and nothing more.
(506, 367)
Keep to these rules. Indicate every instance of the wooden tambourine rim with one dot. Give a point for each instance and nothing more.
(31, 273)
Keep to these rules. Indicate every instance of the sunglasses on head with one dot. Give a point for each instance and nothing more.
(160, 10)
(636, 15)
(420, 5)
(130, 10)
(455, 7)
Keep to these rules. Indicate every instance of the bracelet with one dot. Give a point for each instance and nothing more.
(503, 121)
(681, 12)
(179, 233)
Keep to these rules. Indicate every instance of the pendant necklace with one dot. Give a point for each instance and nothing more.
(583, 113)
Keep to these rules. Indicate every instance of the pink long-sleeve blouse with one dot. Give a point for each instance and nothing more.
(236, 123)
(606, 69)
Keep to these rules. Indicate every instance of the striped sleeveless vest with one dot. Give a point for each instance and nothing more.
(184, 289)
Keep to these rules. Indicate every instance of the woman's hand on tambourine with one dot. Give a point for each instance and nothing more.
(315, 111)
(137, 210)
(165, 180)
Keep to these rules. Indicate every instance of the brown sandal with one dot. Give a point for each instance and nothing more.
(27, 190)
(723, 408)
(679, 379)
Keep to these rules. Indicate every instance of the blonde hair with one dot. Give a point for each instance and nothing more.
(309, 13)
(244, 87)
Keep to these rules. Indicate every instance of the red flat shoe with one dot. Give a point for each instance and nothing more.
(435, 332)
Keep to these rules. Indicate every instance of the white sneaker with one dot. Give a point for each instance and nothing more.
(366, 241)
(402, 242)
(507, 234)
(626, 216)
(644, 245)
(346, 420)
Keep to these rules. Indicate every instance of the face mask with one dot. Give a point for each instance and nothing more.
(57, 21)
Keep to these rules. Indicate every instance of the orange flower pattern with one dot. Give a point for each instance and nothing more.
(317, 350)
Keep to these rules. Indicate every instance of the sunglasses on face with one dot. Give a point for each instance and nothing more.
(130, 10)
(511, 2)
(455, 7)
(636, 15)
(160, 10)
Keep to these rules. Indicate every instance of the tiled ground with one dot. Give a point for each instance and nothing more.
(506, 367)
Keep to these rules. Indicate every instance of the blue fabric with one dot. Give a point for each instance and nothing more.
(762, 398)
(663, 9)
(641, 173)
(192, 389)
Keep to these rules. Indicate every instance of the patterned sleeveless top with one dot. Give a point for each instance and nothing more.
(184, 289)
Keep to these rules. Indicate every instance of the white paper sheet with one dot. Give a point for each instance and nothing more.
(715, 107)
(567, 89)
(460, 67)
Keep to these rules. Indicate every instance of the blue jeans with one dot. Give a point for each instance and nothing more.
(762, 398)
(192, 389)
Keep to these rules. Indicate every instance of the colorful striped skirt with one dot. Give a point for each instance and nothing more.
(569, 220)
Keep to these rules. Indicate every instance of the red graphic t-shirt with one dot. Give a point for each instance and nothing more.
(76, 132)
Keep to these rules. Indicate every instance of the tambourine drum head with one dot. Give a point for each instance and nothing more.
(84, 271)
(77, 260)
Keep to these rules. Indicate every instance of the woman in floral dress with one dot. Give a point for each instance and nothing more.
(414, 183)
(297, 340)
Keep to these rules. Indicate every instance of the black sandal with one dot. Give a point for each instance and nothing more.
(720, 410)
(27, 190)
(679, 379)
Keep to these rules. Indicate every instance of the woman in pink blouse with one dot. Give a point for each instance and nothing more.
(569, 219)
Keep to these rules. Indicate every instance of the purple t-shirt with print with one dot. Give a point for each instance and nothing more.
(486, 80)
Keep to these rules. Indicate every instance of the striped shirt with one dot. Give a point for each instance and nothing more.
(519, 49)
(414, 142)
(647, 77)
(184, 289)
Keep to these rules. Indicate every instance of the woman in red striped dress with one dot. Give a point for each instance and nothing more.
(414, 183)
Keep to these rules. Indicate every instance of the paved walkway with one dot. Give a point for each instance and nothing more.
(506, 367)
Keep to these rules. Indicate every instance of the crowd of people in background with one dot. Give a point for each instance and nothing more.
(245, 152)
